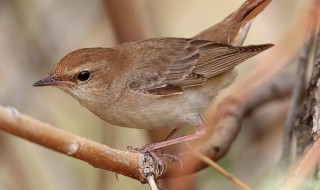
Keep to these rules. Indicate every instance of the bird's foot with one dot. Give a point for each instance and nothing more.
(156, 154)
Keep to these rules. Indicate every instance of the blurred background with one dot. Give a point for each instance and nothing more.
(35, 35)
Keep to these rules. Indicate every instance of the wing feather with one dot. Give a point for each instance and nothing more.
(189, 62)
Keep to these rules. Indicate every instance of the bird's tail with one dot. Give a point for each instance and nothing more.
(233, 29)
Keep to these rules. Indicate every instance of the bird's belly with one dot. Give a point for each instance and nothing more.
(162, 113)
(150, 112)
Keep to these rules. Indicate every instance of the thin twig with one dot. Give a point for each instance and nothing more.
(152, 182)
(223, 172)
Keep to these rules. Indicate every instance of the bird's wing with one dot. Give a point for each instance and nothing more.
(188, 62)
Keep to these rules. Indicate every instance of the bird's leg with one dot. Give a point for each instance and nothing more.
(173, 132)
(171, 156)
(201, 129)
(155, 148)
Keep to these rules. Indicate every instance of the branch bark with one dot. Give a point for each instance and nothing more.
(96, 154)
(303, 130)
(307, 121)
(294, 109)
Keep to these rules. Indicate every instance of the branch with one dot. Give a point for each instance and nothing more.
(307, 129)
(303, 130)
(294, 108)
(96, 154)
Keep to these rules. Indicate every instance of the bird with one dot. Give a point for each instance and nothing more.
(153, 83)
(159, 82)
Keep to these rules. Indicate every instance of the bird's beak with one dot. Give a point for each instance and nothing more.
(49, 81)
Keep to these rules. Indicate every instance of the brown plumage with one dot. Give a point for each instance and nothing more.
(151, 83)
(159, 82)
(234, 28)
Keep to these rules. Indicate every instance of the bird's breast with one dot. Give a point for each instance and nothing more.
(146, 111)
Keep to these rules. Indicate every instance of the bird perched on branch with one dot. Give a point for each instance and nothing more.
(159, 82)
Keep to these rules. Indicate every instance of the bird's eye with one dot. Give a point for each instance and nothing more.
(84, 75)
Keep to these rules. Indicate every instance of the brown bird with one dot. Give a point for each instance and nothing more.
(159, 82)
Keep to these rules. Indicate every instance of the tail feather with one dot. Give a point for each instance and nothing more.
(248, 11)
(233, 29)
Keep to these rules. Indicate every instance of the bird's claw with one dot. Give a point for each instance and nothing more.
(154, 153)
